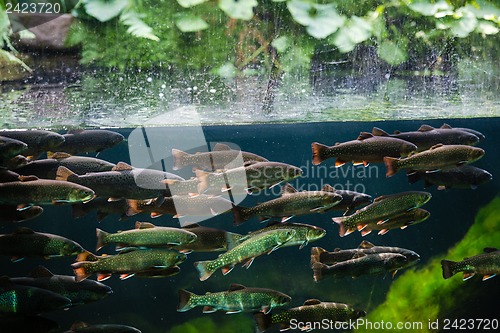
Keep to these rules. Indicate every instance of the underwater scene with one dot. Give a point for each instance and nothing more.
(249, 166)
(360, 246)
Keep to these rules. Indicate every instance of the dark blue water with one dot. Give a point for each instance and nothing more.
(150, 304)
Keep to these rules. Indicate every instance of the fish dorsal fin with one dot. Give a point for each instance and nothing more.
(377, 199)
(312, 301)
(365, 245)
(191, 226)
(221, 147)
(236, 286)
(379, 132)
(337, 249)
(364, 135)
(75, 131)
(288, 189)
(40, 272)
(78, 324)
(436, 146)
(248, 163)
(24, 231)
(328, 188)
(446, 126)
(144, 225)
(489, 249)
(358, 255)
(59, 155)
(27, 178)
(6, 283)
(122, 166)
(337, 143)
(396, 132)
(425, 128)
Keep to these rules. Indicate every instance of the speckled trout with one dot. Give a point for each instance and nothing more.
(486, 264)
(245, 252)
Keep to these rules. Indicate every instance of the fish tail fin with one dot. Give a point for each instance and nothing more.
(101, 238)
(78, 211)
(239, 215)
(343, 231)
(318, 152)
(232, 239)
(316, 254)
(202, 267)
(202, 179)
(64, 173)
(185, 300)
(132, 207)
(179, 158)
(86, 256)
(413, 177)
(318, 271)
(391, 164)
(80, 270)
(447, 266)
(263, 321)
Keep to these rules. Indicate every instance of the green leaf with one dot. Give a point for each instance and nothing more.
(487, 28)
(297, 57)
(431, 9)
(190, 23)
(281, 43)
(228, 70)
(136, 26)
(485, 10)
(392, 53)
(321, 20)
(190, 3)
(356, 30)
(464, 25)
(105, 10)
(238, 9)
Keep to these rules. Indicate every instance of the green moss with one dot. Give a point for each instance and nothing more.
(234, 323)
(423, 295)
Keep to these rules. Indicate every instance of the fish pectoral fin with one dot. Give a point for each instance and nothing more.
(233, 311)
(226, 269)
(208, 309)
(103, 277)
(273, 249)
(303, 245)
(16, 258)
(383, 231)
(488, 276)
(394, 273)
(468, 275)
(339, 163)
(432, 171)
(126, 276)
(248, 263)
(317, 209)
(365, 232)
(286, 218)
(265, 309)
(360, 227)
(382, 221)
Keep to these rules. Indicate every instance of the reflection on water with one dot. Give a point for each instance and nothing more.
(96, 98)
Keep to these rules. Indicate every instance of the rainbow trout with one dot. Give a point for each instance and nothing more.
(246, 252)
(145, 235)
(486, 264)
(438, 157)
(237, 299)
(126, 263)
(367, 148)
(290, 203)
(381, 210)
(313, 310)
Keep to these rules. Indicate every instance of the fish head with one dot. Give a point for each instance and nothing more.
(421, 198)
(281, 299)
(411, 257)
(179, 258)
(52, 140)
(407, 148)
(12, 147)
(81, 194)
(70, 248)
(115, 138)
(467, 138)
(362, 199)
(396, 261)
(356, 313)
(315, 233)
(475, 154)
(483, 177)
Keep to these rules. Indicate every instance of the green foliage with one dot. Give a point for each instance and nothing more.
(234, 323)
(422, 295)
(7, 51)
(194, 34)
